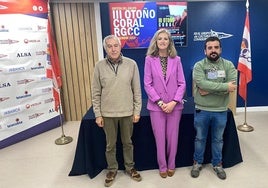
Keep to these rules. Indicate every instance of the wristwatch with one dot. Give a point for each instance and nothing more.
(160, 103)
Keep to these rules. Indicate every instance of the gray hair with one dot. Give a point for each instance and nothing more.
(110, 37)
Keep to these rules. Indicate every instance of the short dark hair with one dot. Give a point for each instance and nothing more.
(212, 38)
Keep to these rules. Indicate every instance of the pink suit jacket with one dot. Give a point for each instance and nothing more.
(156, 87)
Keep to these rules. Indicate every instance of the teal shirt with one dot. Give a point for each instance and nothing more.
(213, 77)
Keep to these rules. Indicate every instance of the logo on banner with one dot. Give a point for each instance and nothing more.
(8, 41)
(2, 29)
(46, 90)
(202, 36)
(18, 122)
(27, 106)
(39, 66)
(41, 28)
(2, 99)
(11, 111)
(50, 100)
(41, 53)
(51, 110)
(38, 8)
(26, 41)
(24, 54)
(36, 115)
(4, 85)
(24, 96)
(25, 29)
(24, 81)
(2, 7)
(3, 55)
(16, 69)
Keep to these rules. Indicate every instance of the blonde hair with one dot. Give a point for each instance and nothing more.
(153, 48)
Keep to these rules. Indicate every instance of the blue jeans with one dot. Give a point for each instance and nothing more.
(217, 122)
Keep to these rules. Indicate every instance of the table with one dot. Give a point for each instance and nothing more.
(90, 151)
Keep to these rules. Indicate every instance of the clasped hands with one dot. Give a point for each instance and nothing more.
(168, 107)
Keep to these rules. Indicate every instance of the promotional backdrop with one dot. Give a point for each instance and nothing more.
(27, 92)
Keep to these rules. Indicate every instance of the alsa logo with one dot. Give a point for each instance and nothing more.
(4, 85)
(25, 54)
(51, 110)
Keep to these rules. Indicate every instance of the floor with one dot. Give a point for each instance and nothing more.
(39, 162)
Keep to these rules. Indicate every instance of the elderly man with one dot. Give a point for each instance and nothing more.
(116, 99)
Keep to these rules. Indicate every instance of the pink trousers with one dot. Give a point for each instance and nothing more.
(166, 132)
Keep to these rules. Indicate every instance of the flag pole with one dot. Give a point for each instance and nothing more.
(63, 139)
(245, 127)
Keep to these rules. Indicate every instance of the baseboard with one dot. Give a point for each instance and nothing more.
(252, 109)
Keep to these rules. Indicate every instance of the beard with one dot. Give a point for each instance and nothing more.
(213, 56)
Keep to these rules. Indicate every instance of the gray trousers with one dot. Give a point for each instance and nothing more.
(125, 125)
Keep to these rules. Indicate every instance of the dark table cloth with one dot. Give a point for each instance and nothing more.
(90, 151)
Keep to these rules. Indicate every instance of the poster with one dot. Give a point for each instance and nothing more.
(135, 23)
(173, 17)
